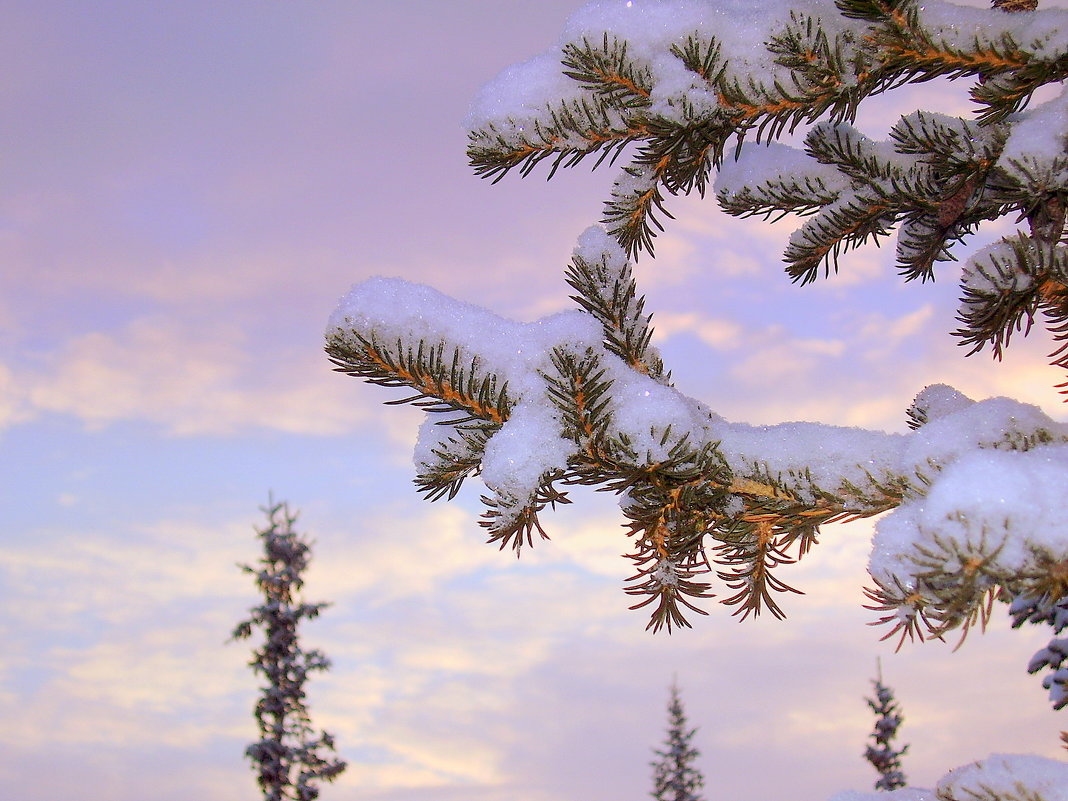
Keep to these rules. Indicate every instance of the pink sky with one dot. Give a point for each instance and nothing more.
(185, 191)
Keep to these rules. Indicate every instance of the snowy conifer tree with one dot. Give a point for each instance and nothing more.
(674, 776)
(972, 500)
(881, 754)
(289, 758)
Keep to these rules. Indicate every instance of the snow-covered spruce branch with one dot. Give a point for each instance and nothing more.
(999, 777)
(680, 81)
(973, 496)
(531, 408)
(683, 78)
(930, 178)
(1040, 610)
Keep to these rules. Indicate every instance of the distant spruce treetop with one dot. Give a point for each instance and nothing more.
(880, 752)
(675, 778)
(290, 758)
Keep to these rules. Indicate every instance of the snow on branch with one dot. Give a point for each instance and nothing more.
(681, 79)
(971, 498)
(532, 408)
(999, 777)
(676, 88)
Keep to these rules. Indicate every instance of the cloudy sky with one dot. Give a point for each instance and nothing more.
(185, 191)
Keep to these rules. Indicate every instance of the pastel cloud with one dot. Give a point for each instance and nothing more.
(442, 661)
(188, 380)
(169, 265)
(718, 333)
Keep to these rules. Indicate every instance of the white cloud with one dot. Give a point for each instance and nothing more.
(457, 667)
(186, 380)
(460, 672)
(776, 355)
(890, 331)
(716, 332)
(13, 407)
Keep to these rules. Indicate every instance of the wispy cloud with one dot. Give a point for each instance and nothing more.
(183, 204)
(186, 379)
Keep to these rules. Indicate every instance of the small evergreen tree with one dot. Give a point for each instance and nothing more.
(289, 758)
(882, 755)
(674, 776)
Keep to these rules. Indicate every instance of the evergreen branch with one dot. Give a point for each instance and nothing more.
(702, 57)
(631, 213)
(442, 384)
(1014, 6)
(800, 194)
(991, 316)
(1054, 307)
(1002, 290)
(938, 177)
(512, 527)
(771, 110)
(953, 194)
(575, 130)
(926, 134)
(903, 610)
(683, 155)
(1011, 91)
(882, 193)
(611, 296)
(748, 557)
(580, 390)
(608, 72)
(675, 157)
(668, 555)
(459, 457)
(841, 226)
(1008, 73)
(804, 48)
(950, 146)
(670, 584)
(939, 196)
(826, 77)
(962, 596)
(667, 510)
(672, 505)
(753, 543)
(922, 241)
(819, 83)
(850, 151)
(906, 47)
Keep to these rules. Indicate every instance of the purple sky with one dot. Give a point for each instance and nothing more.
(185, 191)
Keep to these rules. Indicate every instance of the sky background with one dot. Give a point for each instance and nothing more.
(186, 189)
